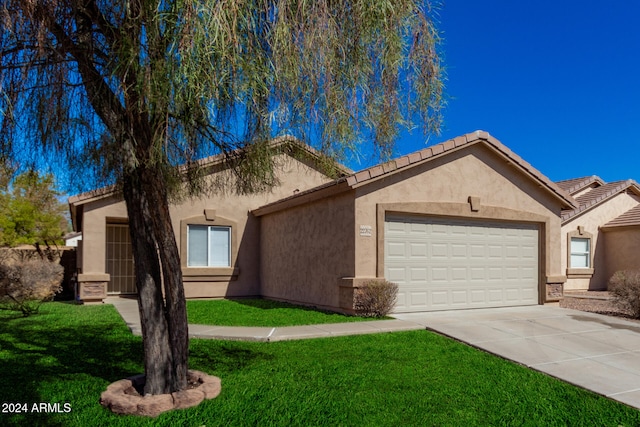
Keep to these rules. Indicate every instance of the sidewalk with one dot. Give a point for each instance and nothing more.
(128, 309)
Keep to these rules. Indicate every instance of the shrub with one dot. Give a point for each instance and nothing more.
(375, 298)
(24, 285)
(625, 287)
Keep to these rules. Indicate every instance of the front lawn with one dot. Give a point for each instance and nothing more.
(259, 312)
(69, 354)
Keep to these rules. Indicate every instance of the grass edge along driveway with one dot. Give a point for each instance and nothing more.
(69, 354)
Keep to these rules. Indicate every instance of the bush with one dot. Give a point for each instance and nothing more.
(375, 298)
(24, 285)
(625, 287)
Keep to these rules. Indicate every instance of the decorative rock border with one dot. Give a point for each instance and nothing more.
(121, 396)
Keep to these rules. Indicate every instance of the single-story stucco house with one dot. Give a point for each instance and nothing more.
(462, 224)
(602, 234)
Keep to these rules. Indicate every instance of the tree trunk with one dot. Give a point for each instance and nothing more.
(175, 304)
(164, 324)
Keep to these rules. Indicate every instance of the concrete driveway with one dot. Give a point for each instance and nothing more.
(596, 352)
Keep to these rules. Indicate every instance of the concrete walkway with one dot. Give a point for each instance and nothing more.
(595, 352)
(128, 309)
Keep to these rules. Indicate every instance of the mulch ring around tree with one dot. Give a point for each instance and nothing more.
(123, 397)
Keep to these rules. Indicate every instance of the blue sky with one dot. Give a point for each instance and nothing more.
(558, 82)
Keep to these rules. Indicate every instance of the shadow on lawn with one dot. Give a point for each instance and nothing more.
(35, 354)
(218, 358)
(44, 352)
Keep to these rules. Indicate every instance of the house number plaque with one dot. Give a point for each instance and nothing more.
(365, 230)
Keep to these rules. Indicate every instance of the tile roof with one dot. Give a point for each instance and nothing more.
(574, 185)
(286, 143)
(599, 195)
(629, 218)
(365, 175)
(376, 172)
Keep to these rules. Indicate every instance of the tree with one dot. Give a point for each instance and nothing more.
(133, 88)
(30, 212)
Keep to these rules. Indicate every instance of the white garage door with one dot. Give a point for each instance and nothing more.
(445, 264)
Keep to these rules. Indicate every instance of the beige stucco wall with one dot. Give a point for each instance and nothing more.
(94, 220)
(622, 250)
(317, 252)
(293, 176)
(307, 249)
(591, 221)
(442, 187)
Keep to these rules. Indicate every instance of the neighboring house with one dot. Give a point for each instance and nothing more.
(602, 234)
(72, 239)
(462, 224)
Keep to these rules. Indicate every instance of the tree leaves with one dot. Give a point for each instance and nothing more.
(30, 211)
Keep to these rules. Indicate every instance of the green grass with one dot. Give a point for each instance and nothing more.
(69, 354)
(259, 312)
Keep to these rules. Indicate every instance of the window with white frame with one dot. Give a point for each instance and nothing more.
(580, 252)
(208, 246)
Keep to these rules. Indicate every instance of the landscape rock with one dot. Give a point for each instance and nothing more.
(122, 397)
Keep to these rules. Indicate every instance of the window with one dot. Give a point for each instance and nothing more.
(208, 246)
(580, 252)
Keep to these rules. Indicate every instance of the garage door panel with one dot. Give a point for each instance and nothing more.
(418, 275)
(401, 299)
(459, 250)
(495, 296)
(528, 251)
(439, 275)
(478, 296)
(529, 274)
(418, 298)
(461, 264)
(396, 250)
(418, 250)
(512, 273)
(529, 293)
(459, 274)
(396, 274)
(495, 251)
(459, 297)
(439, 251)
(512, 252)
(477, 251)
(478, 274)
(439, 298)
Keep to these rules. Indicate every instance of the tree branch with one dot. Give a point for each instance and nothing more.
(101, 96)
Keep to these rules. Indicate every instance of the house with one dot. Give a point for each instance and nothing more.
(462, 224)
(229, 269)
(602, 234)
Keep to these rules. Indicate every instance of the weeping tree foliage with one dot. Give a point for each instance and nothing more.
(123, 91)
